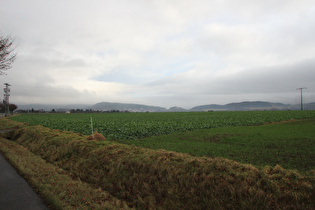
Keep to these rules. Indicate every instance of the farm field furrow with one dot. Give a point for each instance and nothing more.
(141, 125)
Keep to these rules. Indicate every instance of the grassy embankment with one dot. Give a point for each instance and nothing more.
(148, 178)
(55, 185)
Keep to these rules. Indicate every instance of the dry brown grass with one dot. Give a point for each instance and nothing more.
(96, 136)
(159, 179)
(55, 186)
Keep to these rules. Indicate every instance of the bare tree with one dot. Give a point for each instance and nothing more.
(7, 55)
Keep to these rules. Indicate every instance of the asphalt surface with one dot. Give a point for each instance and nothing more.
(15, 192)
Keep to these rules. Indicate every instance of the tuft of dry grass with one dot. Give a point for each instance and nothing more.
(96, 136)
(147, 178)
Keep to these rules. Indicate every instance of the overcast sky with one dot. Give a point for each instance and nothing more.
(160, 52)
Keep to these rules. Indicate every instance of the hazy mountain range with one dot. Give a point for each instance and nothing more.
(253, 105)
(108, 106)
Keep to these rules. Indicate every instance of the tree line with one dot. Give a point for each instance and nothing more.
(12, 107)
(69, 111)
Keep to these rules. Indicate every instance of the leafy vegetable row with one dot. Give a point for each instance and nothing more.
(140, 125)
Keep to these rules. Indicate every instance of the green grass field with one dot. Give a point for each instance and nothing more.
(289, 144)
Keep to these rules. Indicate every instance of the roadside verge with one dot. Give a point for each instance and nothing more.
(58, 189)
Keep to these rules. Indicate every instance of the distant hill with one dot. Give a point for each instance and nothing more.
(251, 105)
(309, 106)
(255, 105)
(107, 106)
(208, 107)
(177, 109)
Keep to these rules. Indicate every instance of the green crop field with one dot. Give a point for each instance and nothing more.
(290, 144)
(140, 125)
(235, 159)
(233, 135)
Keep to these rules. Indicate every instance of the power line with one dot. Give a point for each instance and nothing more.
(301, 89)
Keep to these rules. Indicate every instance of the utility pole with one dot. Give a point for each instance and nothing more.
(301, 89)
(6, 99)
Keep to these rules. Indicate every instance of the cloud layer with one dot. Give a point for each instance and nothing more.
(166, 53)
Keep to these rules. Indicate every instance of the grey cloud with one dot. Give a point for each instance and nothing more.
(275, 82)
(169, 52)
(282, 78)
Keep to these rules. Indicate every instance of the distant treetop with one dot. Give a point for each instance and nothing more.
(7, 55)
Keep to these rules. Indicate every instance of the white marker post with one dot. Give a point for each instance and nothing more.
(92, 127)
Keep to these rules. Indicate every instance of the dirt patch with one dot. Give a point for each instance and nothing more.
(280, 122)
(218, 137)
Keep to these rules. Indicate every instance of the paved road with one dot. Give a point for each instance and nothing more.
(15, 192)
